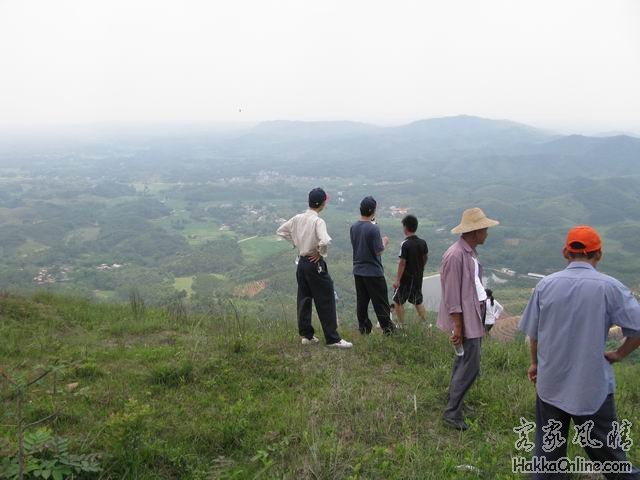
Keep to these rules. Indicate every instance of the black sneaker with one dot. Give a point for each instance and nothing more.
(457, 424)
(390, 330)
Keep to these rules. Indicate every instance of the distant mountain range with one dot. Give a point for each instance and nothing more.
(461, 132)
(445, 146)
(471, 143)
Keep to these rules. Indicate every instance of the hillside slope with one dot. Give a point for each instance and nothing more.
(165, 394)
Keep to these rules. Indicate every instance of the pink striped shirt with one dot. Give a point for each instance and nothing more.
(459, 295)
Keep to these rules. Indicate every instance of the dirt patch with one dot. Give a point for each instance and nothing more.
(251, 289)
(505, 329)
(163, 337)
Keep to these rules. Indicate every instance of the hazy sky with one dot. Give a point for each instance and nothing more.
(572, 65)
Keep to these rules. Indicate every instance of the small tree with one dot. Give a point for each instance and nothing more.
(40, 454)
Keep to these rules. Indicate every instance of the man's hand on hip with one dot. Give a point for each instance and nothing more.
(314, 257)
(613, 357)
(628, 346)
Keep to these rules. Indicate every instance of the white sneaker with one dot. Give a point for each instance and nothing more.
(310, 341)
(341, 344)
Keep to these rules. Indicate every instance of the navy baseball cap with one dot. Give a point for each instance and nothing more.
(368, 206)
(316, 197)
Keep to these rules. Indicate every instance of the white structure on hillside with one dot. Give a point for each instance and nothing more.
(535, 275)
(431, 291)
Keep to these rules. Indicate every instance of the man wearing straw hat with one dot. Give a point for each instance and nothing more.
(462, 308)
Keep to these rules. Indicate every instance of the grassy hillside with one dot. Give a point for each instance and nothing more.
(166, 394)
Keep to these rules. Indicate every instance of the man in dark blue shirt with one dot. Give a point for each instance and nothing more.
(371, 285)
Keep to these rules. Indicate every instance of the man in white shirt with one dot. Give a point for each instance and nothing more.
(308, 233)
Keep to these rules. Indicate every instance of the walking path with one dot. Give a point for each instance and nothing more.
(245, 239)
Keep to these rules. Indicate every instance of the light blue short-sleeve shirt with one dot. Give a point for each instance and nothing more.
(569, 314)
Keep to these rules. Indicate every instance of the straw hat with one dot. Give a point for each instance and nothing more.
(474, 219)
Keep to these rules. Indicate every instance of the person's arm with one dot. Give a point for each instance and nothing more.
(324, 240)
(624, 311)
(451, 276)
(382, 245)
(425, 255)
(532, 374)
(285, 230)
(402, 263)
(379, 242)
(458, 329)
(498, 309)
(529, 323)
(385, 243)
(628, 346)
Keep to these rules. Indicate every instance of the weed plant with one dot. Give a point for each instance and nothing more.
(231, 395)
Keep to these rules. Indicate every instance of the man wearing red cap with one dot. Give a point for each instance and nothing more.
(567, 320)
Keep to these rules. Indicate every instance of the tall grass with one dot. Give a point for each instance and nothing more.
(232, 395)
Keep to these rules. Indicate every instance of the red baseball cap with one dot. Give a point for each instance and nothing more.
(587, 236)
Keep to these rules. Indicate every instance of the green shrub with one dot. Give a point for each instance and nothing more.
(47, 456)
(172, 375)
(88, 370)
(126, 438)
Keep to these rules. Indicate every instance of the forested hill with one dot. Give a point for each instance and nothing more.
(507, 149)
(473, 144)
(192, 211)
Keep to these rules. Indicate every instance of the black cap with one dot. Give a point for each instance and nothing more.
(368, 206)
(316, 197)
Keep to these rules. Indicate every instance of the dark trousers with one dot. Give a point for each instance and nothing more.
(315, 284)
(374, 290)
(602, 425)
(465, 370)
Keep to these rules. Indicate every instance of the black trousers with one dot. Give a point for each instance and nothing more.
(374, 290)
(315, 284)
(602, 425)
